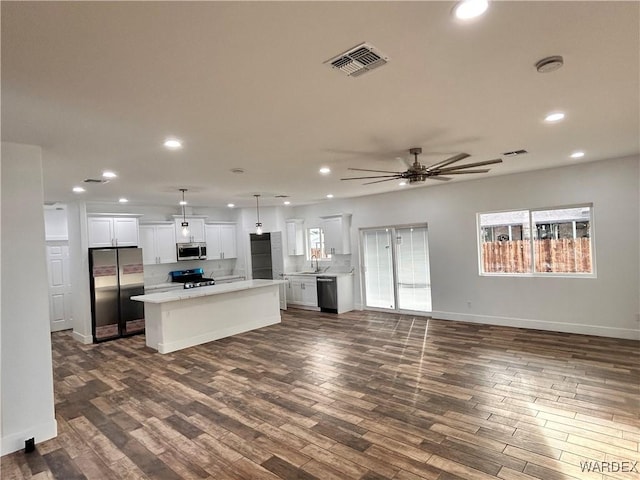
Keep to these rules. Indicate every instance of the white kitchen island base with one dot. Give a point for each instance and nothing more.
(185, 318)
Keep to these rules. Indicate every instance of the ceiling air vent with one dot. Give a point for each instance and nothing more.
(95, 180)
(515, 153)
(358, 60)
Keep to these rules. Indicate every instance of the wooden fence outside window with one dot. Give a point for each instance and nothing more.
(554, 256)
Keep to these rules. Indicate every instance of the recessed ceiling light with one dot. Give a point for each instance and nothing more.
(325, 170)
(123, 200)
(402, 184)
(78, 189)
(287, 202)
(554, 117)
(577, 155)
(109, 174)
(173, 143)
(468, 9)
(330, 195)
(182, 202)
(231, 205)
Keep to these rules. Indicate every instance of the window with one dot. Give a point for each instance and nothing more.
(315, 241)
(544, 241)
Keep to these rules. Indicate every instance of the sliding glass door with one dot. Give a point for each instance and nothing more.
(378, 269)
(396, 268)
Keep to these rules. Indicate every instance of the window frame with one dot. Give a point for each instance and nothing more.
(307, 238)
(533, 236)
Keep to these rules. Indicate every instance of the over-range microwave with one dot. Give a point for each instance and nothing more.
(191, 251)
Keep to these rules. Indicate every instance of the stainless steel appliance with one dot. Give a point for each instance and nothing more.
(116, 274)
(191, 251)
(191, 278)
(261, 262)
(327, 294)
(267, 260)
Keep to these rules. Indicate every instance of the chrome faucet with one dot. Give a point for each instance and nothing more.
(317, 263)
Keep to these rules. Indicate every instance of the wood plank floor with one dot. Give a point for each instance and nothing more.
(363, 395)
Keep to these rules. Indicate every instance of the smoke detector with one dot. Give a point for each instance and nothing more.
(549, 64)
(358, 60)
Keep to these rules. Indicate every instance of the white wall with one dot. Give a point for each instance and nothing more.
(26, 366)
(607, 305)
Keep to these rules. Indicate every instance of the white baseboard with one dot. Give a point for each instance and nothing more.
(626, 333)
(86, 339)
(15, 441)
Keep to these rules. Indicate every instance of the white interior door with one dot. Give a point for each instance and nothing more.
(59, 287)
(396, 268)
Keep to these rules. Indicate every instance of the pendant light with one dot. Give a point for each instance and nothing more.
(258, 224)
(185, 224)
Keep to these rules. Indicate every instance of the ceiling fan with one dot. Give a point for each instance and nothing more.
(419, 173)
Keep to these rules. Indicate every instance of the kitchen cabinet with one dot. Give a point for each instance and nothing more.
(196, 230)
(302, 291)
(221, 240)
(158, 242)
(337, 234)
(295, 237)
(105, 231)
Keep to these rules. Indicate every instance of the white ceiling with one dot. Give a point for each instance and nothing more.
(99, 85)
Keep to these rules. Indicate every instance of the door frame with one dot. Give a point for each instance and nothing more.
(394, 267)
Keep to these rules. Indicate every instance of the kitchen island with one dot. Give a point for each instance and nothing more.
(183, 318)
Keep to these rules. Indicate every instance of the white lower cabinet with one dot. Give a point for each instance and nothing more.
(302, 291)
(158, 243)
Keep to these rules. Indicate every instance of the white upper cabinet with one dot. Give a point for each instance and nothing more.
(295, 237)
(112, 231)
(337, 234)
(158, 242)
(221, 240)
(196, 230)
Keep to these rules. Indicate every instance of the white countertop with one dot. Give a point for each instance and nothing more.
(319, 274)
(184, 294)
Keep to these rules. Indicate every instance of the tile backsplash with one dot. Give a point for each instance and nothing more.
(155, 274)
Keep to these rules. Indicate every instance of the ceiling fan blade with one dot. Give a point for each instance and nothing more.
(385, 180)
(448, 161)
(456, 172)
(367, 170)
(470, 165)
(373, 176)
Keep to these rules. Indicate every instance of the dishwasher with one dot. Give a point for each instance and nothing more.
(327, 294)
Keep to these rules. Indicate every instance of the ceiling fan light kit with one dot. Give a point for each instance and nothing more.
(418, 172)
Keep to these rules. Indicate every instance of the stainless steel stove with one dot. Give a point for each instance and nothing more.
(192, 278)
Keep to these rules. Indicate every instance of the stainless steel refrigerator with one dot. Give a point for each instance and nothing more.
(116, 274)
